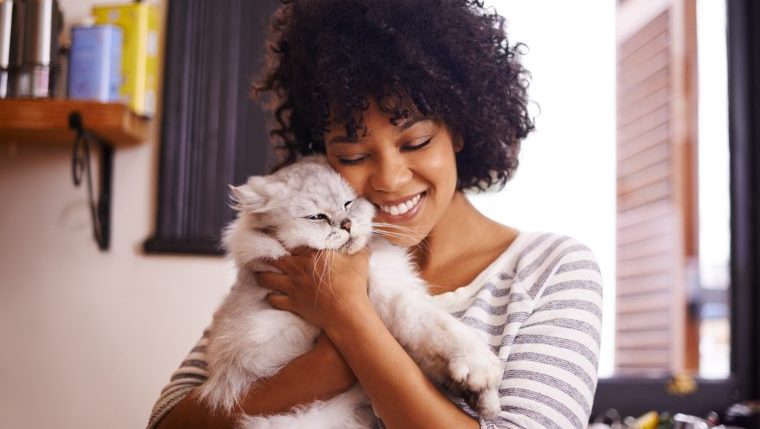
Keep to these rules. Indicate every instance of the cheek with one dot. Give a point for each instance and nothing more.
(444, 161)
(440, 167)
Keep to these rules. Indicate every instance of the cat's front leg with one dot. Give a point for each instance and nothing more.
(447, 350)
(470, 364)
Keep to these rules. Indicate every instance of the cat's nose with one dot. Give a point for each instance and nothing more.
(346, 224)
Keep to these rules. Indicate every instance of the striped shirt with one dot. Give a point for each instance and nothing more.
(539, 307)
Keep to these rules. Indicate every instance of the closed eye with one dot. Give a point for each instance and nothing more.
(417, 146)
(320, 216)
(357, 159)
(348, 203)
(352, 161)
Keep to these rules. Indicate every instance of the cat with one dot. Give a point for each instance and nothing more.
(309, 204)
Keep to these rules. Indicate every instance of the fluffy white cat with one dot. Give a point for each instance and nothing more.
(308, 204)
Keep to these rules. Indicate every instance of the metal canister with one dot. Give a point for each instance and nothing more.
(42, 27)
(11, 36)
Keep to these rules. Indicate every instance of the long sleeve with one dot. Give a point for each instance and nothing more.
(551, 372)
(190, 374)
(541, 313)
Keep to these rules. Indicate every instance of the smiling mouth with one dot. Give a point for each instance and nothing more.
(404, 212)
(402, 208)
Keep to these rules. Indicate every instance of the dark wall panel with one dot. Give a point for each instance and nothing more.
(212, 133)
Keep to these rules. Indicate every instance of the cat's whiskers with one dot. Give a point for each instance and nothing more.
(390, 225)
(321, 253)
(327, 256)
(395, 234)
(392, 228)
(315, 275)
(331, 258)
(391, 234)
(422, 244)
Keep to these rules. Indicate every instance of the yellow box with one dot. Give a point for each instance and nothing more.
(139, 60)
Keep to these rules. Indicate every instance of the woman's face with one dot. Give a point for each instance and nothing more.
(407, 171)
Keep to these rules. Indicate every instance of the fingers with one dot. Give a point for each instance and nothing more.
(274, 281)
(280, 302)
(299, 257)
(281, 264)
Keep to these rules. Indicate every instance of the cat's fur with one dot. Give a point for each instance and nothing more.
(250, 340)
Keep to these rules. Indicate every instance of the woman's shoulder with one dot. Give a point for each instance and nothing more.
(532, 243)
(533, 247)
(540, 258)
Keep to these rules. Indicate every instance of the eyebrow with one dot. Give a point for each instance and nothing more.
(403, 126)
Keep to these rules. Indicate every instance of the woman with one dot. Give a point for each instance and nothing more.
(413, 102)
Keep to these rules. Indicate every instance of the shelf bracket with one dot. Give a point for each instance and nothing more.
(100, 210)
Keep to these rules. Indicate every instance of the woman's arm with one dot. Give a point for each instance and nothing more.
(550, 372)
(318, 374)
(401, 394)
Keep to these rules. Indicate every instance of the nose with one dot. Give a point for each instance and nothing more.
(390, 174)
(346, 224)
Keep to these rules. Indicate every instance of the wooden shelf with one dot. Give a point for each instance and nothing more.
(47, 121)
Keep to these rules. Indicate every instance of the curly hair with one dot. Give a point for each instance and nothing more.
(449, 60)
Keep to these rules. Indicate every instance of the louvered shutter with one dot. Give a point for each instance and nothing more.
(656, 203)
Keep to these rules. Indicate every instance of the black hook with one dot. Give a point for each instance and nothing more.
(100, 212)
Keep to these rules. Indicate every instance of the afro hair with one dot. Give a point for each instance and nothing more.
(449, 60)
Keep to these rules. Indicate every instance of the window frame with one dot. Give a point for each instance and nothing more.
(636, 396)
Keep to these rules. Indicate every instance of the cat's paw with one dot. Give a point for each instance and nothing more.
(477, 373)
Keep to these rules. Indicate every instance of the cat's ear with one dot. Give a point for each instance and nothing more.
(253, 196)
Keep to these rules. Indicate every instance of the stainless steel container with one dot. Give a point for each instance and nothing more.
(42, 24)
(6, 26)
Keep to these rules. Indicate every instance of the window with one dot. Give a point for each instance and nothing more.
(688, 167)
(657, 203)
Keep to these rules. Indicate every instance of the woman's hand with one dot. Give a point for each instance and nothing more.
(318, 286)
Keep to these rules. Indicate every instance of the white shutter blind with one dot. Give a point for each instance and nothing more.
(656, 214)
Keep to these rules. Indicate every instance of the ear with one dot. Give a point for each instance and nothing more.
(251, 196)
(458, 143)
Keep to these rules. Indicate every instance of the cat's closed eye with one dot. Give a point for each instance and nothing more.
(320, 216)
(348, 203)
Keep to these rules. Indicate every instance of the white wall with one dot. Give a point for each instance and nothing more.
(87, 339)
(566, 179)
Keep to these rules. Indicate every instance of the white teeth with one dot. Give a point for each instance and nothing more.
(402, 208)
